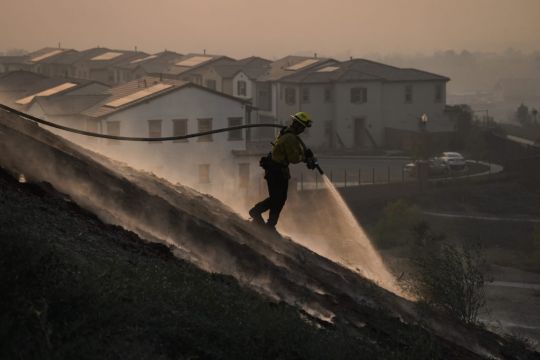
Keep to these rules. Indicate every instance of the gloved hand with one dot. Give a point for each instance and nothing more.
(311, 163)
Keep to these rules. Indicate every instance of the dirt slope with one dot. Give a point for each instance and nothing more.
(207, 233)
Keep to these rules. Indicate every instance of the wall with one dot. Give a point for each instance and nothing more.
(179, 161)
(347, 112)
(250, 88)
(211, 74)
(399, 114)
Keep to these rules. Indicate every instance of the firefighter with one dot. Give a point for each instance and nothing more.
(287, 149)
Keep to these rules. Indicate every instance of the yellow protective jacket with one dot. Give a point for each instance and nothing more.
(288, 149)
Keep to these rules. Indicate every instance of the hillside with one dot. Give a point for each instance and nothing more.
(78, 286)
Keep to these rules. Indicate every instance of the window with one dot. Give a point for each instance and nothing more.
(305, 95)
(113, 128)
(211, 84)
(408, 94)
(241, 88)
(204, 125)
(154, 128)
(180, 129)
(204, 173)
(358, 95)
(235, 134)
(243, 175)
(328, 94)
(438, 93)
(290, 96)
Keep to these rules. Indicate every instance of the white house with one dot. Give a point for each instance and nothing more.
(150, 107)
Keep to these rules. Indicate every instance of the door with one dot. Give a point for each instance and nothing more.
(359, 132)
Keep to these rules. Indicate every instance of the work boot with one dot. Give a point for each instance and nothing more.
(256, 216)
(271, 228)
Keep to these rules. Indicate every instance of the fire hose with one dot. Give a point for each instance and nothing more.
(129, 138)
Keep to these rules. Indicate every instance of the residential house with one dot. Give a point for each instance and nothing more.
(273, 99)
(355, 103)
(54, 62)
(19, 89)
(98, 64)
(13, 63)
(154, 107)
(151, 65)
(237, 78)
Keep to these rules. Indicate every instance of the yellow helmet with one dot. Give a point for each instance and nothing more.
(303, 118)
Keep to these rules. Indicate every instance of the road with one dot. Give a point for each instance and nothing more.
(514, 218)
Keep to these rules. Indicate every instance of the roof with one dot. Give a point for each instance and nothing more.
(253, 69)
(44, 54)
(362, 70)
(18, 85)
(68, 105)
(97, 58)
(285, 67)
(152, 64)
(12, 59)
(136, 90)
(192, 62)
(19, 80)
(254, 60)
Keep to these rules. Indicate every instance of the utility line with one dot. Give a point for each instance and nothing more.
(127, 138)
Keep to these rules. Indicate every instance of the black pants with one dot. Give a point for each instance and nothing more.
(278, 185)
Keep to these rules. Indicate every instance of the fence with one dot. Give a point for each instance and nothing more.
(349, 177)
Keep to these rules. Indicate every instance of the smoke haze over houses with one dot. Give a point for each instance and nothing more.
(274, 28)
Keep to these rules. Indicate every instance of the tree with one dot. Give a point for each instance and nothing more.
(447, 276)
(462, 117)
(534, 113)
(393, 227)
(522, 115)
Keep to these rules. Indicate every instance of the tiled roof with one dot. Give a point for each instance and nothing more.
(44, 54)
(177, 70)
(280, 69)
(20, 84)
(101, 109)
(86, 57)
(129, 88)
(252, 69)
(19, 80)
(362, 69)
(64, 105)
(152, 64)
(12, 59)
(254, 60)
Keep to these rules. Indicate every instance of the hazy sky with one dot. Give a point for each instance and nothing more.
(273, 28)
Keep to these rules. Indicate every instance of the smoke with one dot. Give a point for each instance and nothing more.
(321, 222)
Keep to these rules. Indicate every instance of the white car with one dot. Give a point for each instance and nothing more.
(453, 160)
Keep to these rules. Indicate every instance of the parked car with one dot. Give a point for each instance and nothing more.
(453, 160)
(435, 167)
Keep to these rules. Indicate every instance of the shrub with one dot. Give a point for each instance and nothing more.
(393, 228)
(448, 276)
